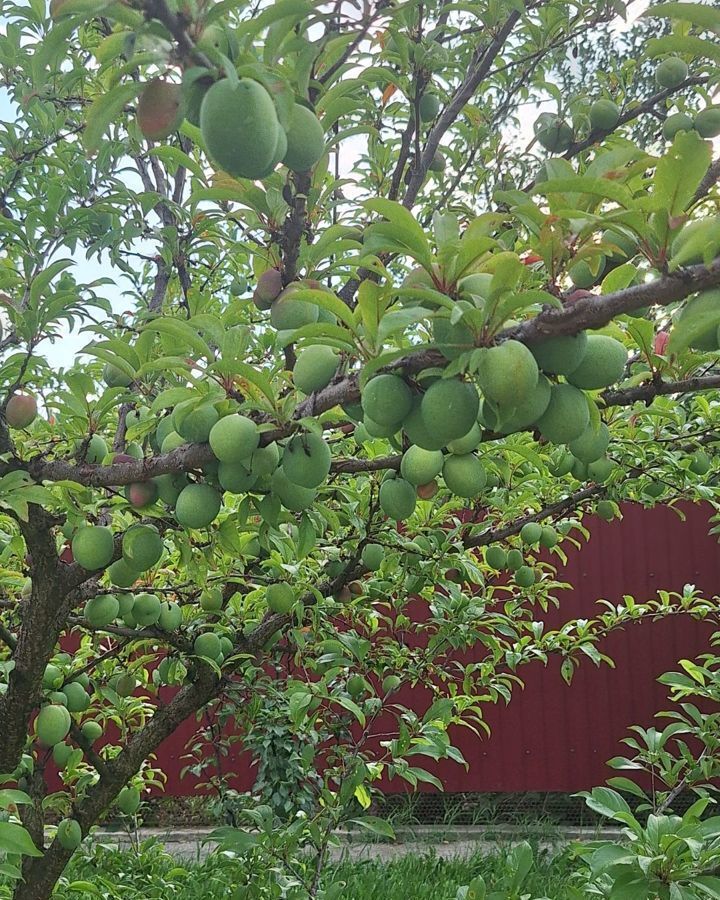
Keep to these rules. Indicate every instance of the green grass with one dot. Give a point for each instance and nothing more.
(154, 875)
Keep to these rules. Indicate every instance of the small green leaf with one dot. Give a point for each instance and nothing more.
(104, 110)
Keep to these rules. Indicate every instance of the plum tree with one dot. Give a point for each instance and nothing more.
(319, 382)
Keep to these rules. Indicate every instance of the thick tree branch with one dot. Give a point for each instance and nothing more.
(647, 392)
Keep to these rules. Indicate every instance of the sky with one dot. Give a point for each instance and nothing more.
(63, 352)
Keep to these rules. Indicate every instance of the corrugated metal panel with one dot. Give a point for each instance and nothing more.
(553, 737)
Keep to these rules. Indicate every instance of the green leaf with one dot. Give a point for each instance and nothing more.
(401, 233)
(695, 13)
(601, 187)
(352, 707)
(104, 110)
(700, 315)
(679, 172)
(182, 332)
(683, 44)
(375, 825)
(16, 839)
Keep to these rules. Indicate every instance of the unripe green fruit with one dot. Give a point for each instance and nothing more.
(207, 645)
(171, 442)
(194, 425)
(604, 115)
(91, 731)
(449, 408)
(496, 557)
(372, 556)
(96, 449)
(52, 724)
(707, 122)
(531, 532)
(238, 286)
(164, 427)
(146, 609)
(265, 460)
(195, 84)
(128, 801)
(125, 684)
(452, 339)
(160, 109)
(57, 698)
(278, 153)
(77, 697)
(549, 537)
(467, 443)
(115, 377)
(93, 547)
(52, 677)
(567, 415)
(288, 313)
(292, 496)
(122, 575)
(579, 469)
(134, 450)
(234, 438)
(583, 276)
(390, 683)
(211, 600)
(560, 355)
(280, 597)
(420, 466)
(234, 477)
(561, 463)
(305, 140)
(397, 498)
(101, 610)
(622, 241)
(606, 510)
(553, 133)
(601, 469)
(417, 431)
(528, 410)
(197, 506)
(671, 72)
(603, 364)
(214, 37)
(356, 685)
(170, 617)
(375, 430)
(591, 444)
(675, 123)
(315, 368)
(524, 577)
(307, 460)
(438, 163)
(428, 107)
(69, 834)
(387, 400)
(464, 475)
(507, 373)
(142, 547)
(61, 754)
(239, 127)
(268, 289)
(21, 410)
(700, 463)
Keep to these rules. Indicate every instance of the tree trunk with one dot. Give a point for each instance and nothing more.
(41, 875)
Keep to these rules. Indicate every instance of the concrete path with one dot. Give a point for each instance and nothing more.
(191, 843)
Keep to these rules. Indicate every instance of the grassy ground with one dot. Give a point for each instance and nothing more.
(153, 875)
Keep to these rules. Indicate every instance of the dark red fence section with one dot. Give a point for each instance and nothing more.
(553, 737)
